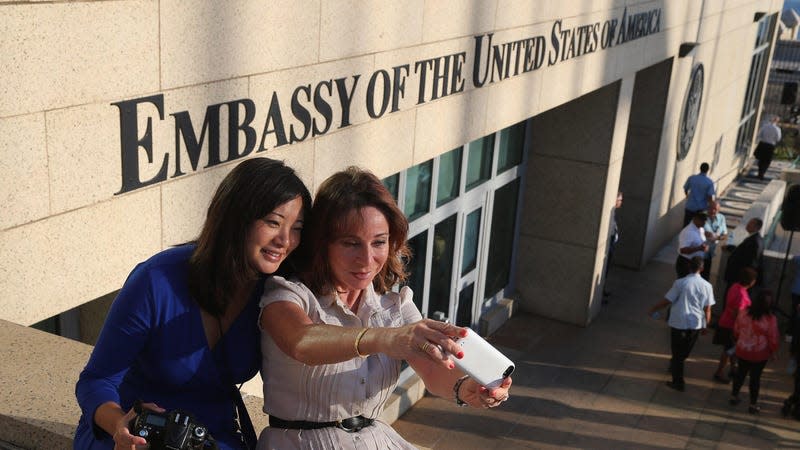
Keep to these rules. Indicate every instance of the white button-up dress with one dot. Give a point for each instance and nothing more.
(329, 392)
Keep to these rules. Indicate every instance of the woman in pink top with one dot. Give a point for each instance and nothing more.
(736, 300)
(756, 334)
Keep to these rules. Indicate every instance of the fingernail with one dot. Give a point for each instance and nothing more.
(451, 365)
(460, 355)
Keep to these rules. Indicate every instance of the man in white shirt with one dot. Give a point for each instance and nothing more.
(690, 300)
(768, 137)
(691, 243)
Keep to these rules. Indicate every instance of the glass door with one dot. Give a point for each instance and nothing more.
(461, 244)
(469, 278)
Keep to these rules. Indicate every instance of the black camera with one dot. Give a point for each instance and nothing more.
(175, 430)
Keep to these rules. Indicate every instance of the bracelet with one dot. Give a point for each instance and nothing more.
(457, 387)
(358, 341)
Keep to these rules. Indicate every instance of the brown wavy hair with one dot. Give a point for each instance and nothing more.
(338, 199)
(219, 267)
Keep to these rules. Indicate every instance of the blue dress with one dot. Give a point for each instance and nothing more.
(153, 348)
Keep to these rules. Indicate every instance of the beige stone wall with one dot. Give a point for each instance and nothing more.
(66, 238)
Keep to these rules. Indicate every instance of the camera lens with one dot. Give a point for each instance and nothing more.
(200, 432)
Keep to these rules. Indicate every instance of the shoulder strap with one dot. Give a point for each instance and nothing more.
(242, 416)
(246, 425)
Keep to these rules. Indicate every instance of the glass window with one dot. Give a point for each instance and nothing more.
(392, 183)
(464, 312)
(752, 96)
(501, 240)
(416, 266)
(479, 162)
(762, 36)
(512, 140)
(418, 190)
(451, 222)
(471, 234)
(449, 176)
(444, 236)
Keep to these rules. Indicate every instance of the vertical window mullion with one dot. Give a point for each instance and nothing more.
(462, 182)
(434, 185)
(401, 190)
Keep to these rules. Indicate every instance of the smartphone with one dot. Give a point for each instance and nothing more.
(481, 361)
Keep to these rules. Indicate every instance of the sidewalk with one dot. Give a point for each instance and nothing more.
(602, 387)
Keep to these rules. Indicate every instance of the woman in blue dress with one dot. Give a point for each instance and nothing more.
(183, 329)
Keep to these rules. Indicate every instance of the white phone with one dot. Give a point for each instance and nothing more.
(481, 361)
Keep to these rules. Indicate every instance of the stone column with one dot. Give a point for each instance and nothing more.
(640, 161)
(570, 187)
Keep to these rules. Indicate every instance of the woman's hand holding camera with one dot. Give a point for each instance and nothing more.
(477, 396)
(123, 439)
(431, 337)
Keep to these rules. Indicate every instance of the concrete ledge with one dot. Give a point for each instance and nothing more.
(790, 175)
(765, 207)
(773, 195)
(254, 406)
(403, 398)
(38, 372)
(757, 210)
(497, 316)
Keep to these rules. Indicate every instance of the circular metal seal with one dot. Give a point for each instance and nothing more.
(690, 112)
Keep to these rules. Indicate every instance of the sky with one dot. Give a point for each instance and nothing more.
(792, 4)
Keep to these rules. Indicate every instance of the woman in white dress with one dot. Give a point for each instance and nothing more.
(333, 342)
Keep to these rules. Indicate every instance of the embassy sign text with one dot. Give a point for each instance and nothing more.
(316, 108)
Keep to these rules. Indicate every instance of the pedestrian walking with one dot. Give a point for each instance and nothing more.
(690, 299)
(768, 137)
(700, 192)
(737, 301)
(756, 334)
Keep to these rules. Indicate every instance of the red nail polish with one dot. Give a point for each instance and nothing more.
(451, 365)
(460, 355)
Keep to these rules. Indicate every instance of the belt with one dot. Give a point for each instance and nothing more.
(351, 424)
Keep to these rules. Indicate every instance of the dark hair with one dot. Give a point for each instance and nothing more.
(759, 223)
(761, 305)
(704, 167)
(696, 264)
(747, 275)
(335, 212)
(219, 267)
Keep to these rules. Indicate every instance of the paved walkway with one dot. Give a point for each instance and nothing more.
(602, 387)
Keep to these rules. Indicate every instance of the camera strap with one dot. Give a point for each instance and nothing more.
(242, 418)
(245, 424)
